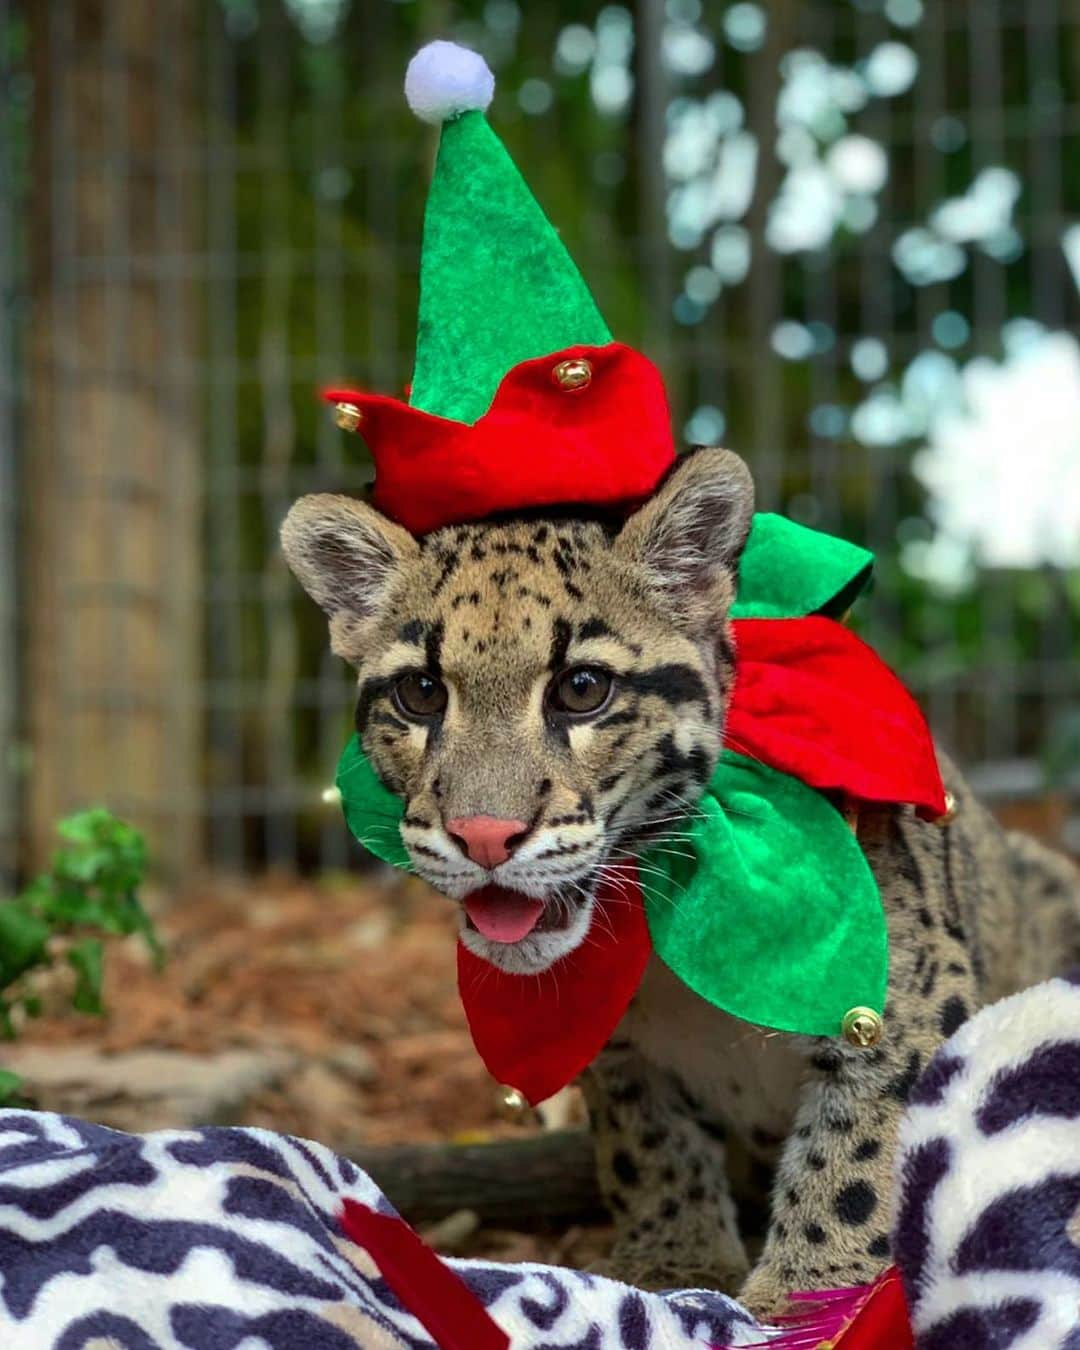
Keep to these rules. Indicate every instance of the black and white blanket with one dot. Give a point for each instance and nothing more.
(229, 1239)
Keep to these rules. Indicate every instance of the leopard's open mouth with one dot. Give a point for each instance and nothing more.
(505, 916)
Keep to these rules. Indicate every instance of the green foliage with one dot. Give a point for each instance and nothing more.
(90, 889)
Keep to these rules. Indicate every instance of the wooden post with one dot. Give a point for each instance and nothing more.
(112, 543)
(650, 116)
(9, 393)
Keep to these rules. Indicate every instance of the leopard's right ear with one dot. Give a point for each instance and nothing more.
(346, 556)
(689, 535)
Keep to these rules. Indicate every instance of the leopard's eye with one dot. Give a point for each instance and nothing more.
(419, 694)
(580, 690)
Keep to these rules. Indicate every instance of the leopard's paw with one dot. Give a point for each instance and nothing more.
(765, 1293)
(644, 1268)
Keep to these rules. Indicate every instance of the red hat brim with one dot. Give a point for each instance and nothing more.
(606, 444)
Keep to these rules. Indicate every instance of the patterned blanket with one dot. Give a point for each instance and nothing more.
(229, 1239)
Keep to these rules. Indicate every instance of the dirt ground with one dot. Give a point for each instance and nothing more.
(347, 982)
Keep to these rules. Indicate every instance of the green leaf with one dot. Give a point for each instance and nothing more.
(81, 828)
(85, 960)
(37, 895)
(23, 936)
(92, 886)
(82, 866)
(71, 904)
(10, 1083)
(104, 851)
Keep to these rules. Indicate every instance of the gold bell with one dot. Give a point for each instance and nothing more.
(862, 1027)
(950, 811)
(574, 373)
(512, 1099)
(347, 416)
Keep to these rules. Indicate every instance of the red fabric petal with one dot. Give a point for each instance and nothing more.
(814, 701)
(882, 1322)
(446, 1308)
(537, 1032)
(607, 444)
(868, 1317)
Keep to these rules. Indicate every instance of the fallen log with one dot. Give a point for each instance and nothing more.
(510, 1183)
(537, 1182)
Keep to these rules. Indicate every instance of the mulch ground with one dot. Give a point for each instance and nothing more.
(355, 975)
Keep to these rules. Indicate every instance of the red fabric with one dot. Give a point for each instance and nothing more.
(882, 1322)
(607, 444)
(814, 701)
(452, 1315)
(537, 1032)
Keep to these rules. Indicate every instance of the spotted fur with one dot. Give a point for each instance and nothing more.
(496, 610)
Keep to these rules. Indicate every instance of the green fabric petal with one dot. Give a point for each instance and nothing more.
(372, 812)
(767, 907)
(788, 571)
(497, 286)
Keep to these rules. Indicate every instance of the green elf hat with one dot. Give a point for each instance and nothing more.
(497, 286)
(519, 396)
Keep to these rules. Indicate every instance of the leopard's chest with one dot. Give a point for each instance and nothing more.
(744, 1077)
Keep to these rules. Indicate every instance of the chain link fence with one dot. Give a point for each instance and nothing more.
(847, 231)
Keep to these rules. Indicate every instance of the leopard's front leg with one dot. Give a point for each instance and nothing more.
(664, 1179)
(832, 1204)
(830, 1213)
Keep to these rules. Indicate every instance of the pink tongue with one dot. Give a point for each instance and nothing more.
(502, 915)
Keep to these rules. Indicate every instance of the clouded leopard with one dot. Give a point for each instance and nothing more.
(548, 693)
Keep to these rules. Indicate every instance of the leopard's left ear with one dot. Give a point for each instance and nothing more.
(689, 536)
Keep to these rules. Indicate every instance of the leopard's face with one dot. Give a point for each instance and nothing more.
(544, 695)
(524, 680)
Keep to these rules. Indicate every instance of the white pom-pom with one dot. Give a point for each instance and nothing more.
(444, 80)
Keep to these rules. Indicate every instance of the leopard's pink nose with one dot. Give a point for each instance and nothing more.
(487, 840)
